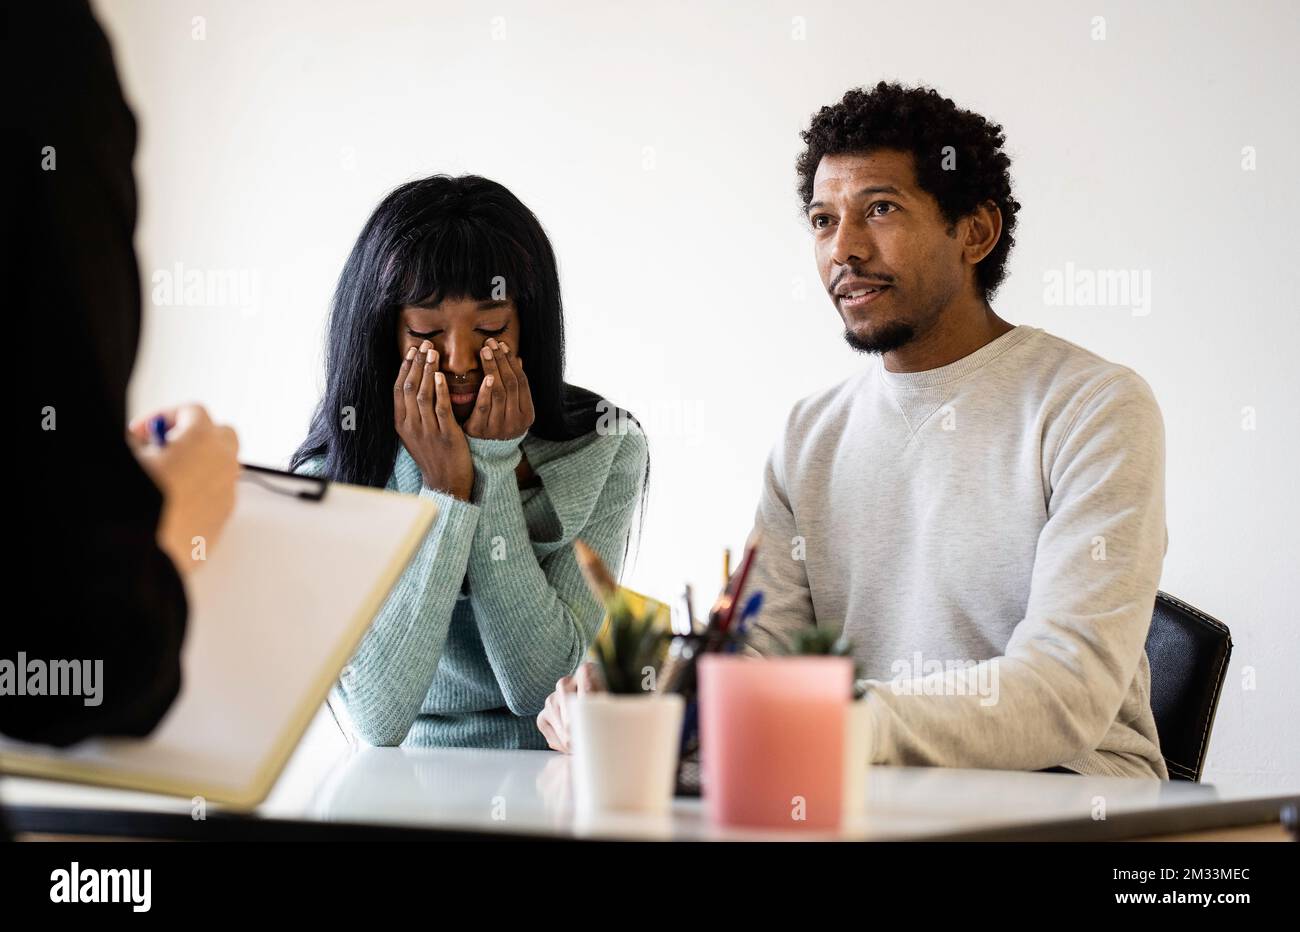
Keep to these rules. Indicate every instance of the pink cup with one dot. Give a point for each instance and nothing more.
(772, 739)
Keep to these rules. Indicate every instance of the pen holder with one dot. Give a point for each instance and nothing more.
(772, 736)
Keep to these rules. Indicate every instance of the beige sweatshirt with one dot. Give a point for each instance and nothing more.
(989, 535)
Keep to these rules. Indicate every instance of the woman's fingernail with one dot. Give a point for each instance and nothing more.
(488, 381)
(437, 377)
(410, 354)
(431, 357)
(487, 353)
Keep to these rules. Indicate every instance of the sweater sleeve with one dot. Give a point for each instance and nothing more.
(536, 617)
(384, 686)
(1071, 659)
(779, 570)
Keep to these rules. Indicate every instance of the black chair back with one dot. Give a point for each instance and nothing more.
(1188, 652)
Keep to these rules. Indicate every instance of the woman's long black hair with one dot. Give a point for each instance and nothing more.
(438, 237)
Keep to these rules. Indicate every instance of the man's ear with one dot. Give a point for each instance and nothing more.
(983, 230)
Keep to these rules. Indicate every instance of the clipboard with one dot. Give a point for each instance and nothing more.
(280, 606)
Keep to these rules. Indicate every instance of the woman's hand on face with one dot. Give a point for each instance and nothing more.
(427, 426)
(504, 408)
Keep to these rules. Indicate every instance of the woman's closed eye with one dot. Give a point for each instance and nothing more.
(429, 335)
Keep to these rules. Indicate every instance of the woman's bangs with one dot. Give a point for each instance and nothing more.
(461, 258)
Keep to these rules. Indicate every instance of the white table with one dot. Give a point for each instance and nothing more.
(528, 793)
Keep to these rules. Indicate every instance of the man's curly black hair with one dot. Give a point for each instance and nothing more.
(921, 121)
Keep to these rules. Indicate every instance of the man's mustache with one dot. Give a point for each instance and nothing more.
(883, 278)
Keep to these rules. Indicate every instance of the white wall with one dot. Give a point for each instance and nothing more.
(656, 142)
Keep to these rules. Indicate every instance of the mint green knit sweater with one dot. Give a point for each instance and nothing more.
(441, 667)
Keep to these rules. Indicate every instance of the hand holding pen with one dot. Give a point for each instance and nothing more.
(194, 463)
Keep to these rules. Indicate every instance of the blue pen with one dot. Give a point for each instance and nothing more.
(158, 428)
(752, 606)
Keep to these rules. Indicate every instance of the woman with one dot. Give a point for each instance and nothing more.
(445, 378)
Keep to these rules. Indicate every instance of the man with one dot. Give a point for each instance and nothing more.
(981, 510)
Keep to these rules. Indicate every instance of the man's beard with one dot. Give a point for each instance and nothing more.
(886, 338)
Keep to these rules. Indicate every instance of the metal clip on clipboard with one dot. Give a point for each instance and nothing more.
(277, 480)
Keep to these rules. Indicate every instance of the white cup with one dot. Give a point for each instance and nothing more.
(857, 762)
(625, 751)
